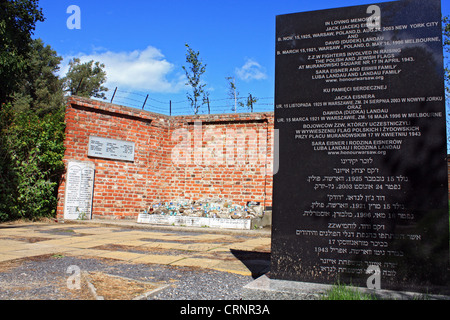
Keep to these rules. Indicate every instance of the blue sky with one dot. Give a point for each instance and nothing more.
(142, 44)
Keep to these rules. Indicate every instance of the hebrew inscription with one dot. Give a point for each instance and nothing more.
(79, 190)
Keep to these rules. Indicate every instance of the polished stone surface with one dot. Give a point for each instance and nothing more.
(362, 177)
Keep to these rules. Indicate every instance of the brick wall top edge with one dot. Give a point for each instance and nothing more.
(101, 105)
(231, 115)
(148, 115)
(246, 117)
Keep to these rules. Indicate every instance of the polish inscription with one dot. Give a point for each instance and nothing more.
(358, 105)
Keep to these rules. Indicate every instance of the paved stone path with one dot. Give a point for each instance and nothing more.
(191, 263)
(242, 254)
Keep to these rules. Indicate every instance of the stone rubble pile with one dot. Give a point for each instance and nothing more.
(209, 208)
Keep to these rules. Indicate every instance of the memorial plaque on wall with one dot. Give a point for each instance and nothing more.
(111, 149)
(79, 190)
(362, 179)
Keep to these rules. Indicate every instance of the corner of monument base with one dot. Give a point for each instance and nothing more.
(265, 288)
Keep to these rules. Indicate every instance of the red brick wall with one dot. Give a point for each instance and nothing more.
(229, 156)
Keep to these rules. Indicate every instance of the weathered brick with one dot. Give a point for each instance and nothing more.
(236, 149)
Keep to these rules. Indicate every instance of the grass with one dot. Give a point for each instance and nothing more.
(341, 292)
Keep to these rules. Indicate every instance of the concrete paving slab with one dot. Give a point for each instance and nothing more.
(172, 237)
(94, 230)
(221, 249)
(211, 237)
(159, 259)
(49, 226)
(12, 250)
(235, 246)
(123, 238)
(154, 235)
(5, 243)
(127, 235)
(100, 236)
(196, 262)
(65, 241)
(162, 245)
(20, 233)
(134, 243)
(200, 247)
(121, 255)
(89, 243)
(86, 245)
(38, 246)
(236, 267)
(257, 242)
(8, 257)
(48, 236)
(88, 252)
(243, 247)
(40, 252)
(141, 233)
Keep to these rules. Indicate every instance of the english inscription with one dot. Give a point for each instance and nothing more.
(111, 149)
(363, 174)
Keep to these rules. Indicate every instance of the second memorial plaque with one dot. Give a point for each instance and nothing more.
(362, 180)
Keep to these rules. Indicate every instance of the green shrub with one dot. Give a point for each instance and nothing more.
(31, 160)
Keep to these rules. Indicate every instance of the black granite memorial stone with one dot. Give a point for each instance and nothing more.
(362, 180)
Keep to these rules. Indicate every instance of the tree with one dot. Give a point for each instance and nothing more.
(31, 116)
(18, 20)
(85, 79)
(232, 92)
(194, 73)
(251, 100)
(234, 95)
(40, 89)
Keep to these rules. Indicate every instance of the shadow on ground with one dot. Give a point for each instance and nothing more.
(257, 262)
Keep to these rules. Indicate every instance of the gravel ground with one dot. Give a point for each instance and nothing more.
(45, 278)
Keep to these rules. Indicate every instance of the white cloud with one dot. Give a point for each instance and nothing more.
(139, 70)
(251, 70)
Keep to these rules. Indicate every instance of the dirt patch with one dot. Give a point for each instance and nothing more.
(118, 288)
(62, 232)
(26, 239)
(24, 222)
(9, 265)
